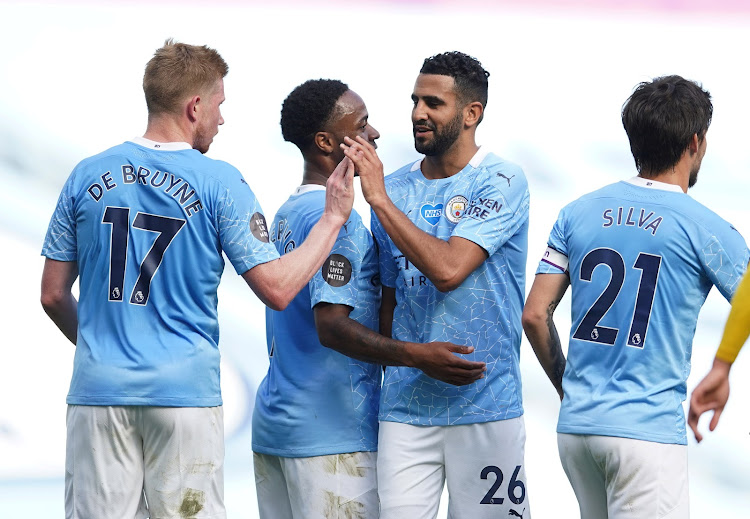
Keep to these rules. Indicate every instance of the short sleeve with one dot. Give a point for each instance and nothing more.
(386, 264)
(60, 242)
(336, 281)
(243, 231)
(555, 258)
(725, 256)
(498, 208)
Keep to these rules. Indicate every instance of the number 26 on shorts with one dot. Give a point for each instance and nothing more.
(516, 490)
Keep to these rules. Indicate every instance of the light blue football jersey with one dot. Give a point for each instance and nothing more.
(315, 401)
(642, 257)
(487, 203)
(147, 223)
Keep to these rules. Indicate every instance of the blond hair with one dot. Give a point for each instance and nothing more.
(177, 71)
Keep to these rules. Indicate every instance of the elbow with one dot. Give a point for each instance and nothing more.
(532, 319)
(448, 281)
(278, 302)
(51, 300)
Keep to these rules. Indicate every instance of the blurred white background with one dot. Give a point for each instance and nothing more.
(70, 85)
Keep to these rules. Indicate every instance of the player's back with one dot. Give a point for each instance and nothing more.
(642, 259)
(147, 225)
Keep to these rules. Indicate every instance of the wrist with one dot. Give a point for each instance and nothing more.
(721, 366)
(410, 355)
(329, 220)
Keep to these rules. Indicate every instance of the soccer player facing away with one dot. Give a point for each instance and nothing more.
(640, 256)
(144, 224)
(452, 233)
(712, 393)
(315, 422)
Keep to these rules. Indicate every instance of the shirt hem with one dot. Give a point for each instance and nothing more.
(621, 433)
(310, 452)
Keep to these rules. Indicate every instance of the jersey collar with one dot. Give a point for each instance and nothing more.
(163, 146)
(653, 184)
(306, 188)
(475, 161)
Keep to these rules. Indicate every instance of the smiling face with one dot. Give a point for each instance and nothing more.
(350, 119)
(210, 117)
(437, 116)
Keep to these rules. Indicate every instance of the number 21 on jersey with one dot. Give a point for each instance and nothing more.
(649, 265)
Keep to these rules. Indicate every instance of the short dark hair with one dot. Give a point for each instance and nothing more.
(661, 117)
(466, 71)
(308, 108)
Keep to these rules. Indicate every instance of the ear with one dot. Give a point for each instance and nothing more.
(192, 108)
(473, 113)
(324, 141)
(694, 144)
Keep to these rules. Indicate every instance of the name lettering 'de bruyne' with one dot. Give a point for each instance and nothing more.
(156, 179)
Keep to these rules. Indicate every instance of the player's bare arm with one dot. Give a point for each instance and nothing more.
(387, 307)
(711, 394)
(277, 282)
(436, 359)
(57, 299)
(459, 257)
(538, 323)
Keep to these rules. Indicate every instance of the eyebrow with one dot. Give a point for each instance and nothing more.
(428, 99)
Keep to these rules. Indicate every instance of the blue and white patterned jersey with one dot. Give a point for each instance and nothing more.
(642, 257)
(147, 223)
(487, 203)
(315, 401)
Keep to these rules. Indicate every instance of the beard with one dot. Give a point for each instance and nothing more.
(694, 175)
(441, 140)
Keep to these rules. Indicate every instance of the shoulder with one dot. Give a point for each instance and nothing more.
(709, 221)
(402, 176)
(504, 173)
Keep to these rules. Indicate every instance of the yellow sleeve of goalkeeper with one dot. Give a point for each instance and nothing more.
(737, 328)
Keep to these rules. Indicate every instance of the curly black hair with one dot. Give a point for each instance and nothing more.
(466, 71)
(308, 108)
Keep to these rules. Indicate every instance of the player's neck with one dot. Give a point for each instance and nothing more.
(451, 162)
(166, 129)
(679, 175)
(316, 173)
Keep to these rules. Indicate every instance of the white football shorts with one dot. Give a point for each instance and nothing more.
(134, 462)
(482, 463)
(335, 486)
(622, 478)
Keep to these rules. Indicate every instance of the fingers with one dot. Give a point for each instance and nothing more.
(463, 350)
(349, 174)
(693, 417)
(715, 419)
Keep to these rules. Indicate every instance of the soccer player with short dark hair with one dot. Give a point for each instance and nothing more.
(640, 257)
(452, 231)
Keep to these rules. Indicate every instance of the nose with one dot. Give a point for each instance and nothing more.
(418, 112)
(374, 134)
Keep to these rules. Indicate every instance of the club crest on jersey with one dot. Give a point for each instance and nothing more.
(432, 213)
(456, 207)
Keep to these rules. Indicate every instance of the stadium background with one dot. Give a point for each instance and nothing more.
(70, 79)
